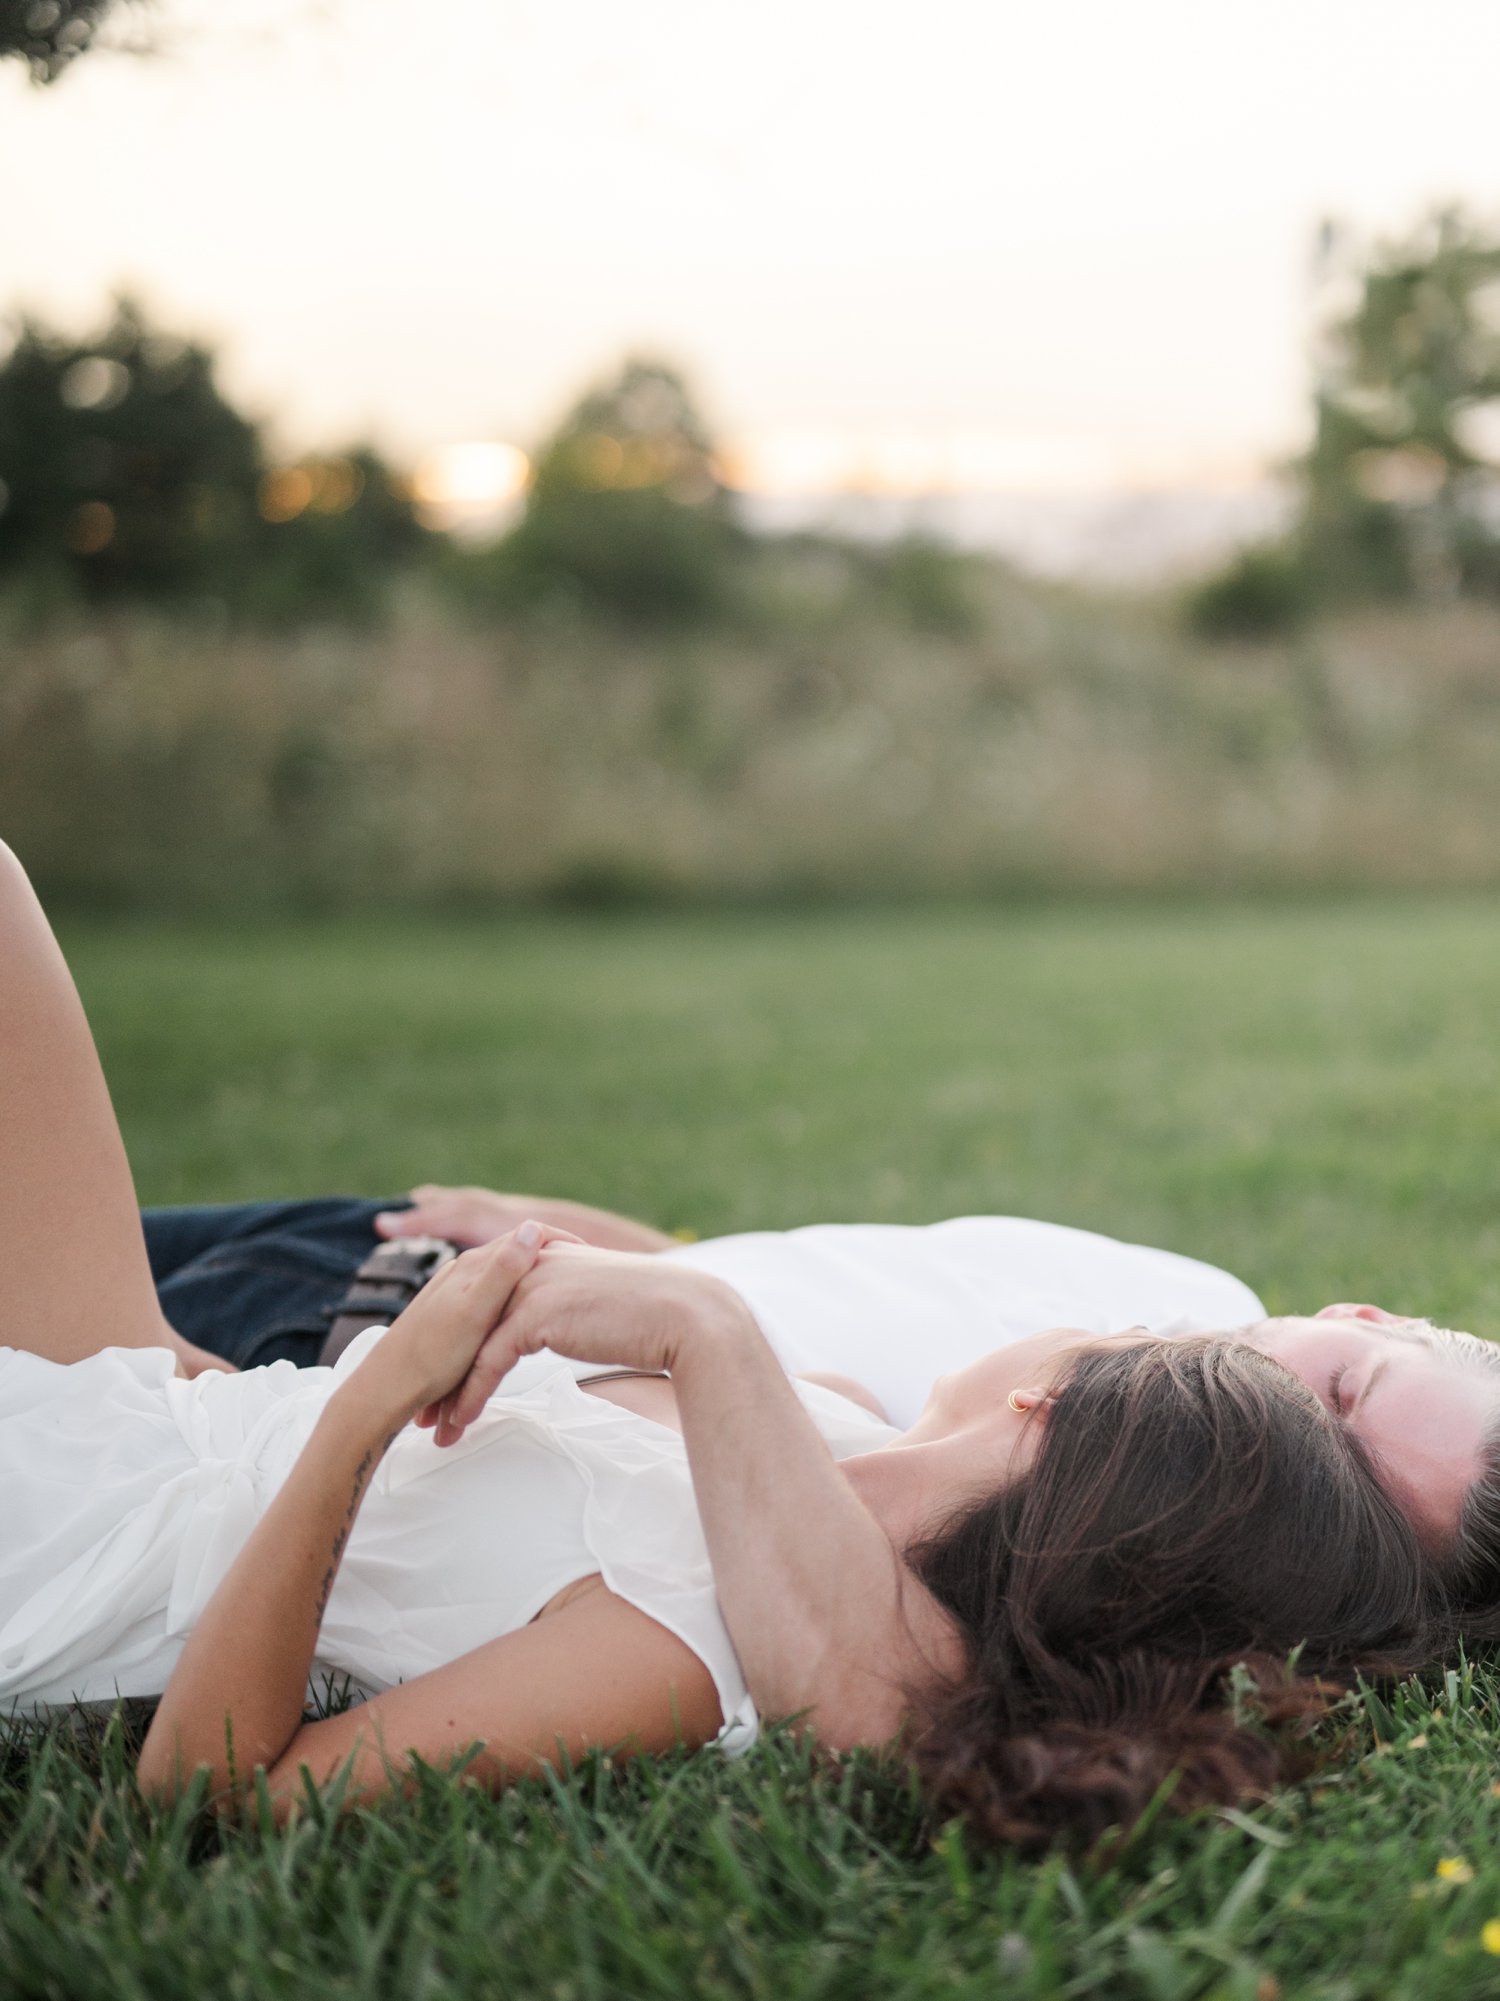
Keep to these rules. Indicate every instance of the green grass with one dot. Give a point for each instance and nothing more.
(1307, 1095)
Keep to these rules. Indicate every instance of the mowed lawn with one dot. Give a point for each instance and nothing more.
(1308, 1095)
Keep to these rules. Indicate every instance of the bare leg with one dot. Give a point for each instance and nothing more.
(75, 1277)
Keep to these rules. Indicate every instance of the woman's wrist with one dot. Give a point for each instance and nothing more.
(377, 1399)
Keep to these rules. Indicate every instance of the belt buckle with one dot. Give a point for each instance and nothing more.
(383, 1287)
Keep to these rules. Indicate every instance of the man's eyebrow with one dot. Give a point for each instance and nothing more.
(1419, 1333)
(1375, 1374)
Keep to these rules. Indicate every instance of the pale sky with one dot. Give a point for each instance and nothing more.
(1080, 226)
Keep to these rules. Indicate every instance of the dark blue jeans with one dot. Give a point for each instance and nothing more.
(257, 1281)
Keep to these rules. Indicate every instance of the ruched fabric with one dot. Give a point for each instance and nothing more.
(127, 1494)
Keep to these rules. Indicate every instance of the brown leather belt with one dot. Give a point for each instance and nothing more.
(385, 1284)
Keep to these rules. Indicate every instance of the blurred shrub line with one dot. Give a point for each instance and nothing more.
(227, 683)
(851, 743)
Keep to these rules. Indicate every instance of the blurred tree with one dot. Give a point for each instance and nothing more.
(49, 34)
(625, 515)
(123, 465)
(336, 530)
(930, 584)
(1402, 482)
(1400, 490)
(1264, 591)
(124, 472)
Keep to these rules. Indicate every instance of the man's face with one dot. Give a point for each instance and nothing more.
(1422, 1416)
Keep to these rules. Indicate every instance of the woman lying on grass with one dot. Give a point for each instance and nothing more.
(1039, 1588)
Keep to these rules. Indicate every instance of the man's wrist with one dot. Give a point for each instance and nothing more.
(711, 1322)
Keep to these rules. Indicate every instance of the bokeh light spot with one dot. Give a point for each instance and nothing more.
(1408, 477)
(95, 383)
(336, 485)
(285, 493)
(469, 488)
(476, 475)
(90, 528)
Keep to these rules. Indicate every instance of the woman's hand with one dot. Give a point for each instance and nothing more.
(608, 1307)
(431, 1348)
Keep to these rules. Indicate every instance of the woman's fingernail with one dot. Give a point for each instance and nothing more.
(528, 1234)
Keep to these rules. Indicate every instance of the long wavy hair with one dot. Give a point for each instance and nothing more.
(1191, 1507)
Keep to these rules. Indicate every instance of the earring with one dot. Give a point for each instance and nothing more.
(1018, 1408)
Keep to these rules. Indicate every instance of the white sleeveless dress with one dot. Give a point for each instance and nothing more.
(125, 1494)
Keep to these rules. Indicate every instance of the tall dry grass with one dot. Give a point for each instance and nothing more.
(826, 746)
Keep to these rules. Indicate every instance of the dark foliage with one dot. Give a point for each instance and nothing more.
(931, 586)
(125, 474)
(1265, 591)
(49, 34)
(625, 516)
(1400, 489)
(122, 463)
(334, 553)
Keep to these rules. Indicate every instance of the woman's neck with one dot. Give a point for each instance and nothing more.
(914, 1487)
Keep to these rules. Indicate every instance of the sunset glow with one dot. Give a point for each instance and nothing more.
(471, 475)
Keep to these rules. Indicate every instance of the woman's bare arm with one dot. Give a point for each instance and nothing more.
(598, 1674)
(826, 1617)
(245, 1666)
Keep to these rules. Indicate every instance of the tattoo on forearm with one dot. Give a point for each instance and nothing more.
(325, 1589)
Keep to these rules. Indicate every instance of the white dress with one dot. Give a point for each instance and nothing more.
(126, 1494)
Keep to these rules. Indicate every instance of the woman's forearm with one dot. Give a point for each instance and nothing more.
(235, 1698)
(825, 1617)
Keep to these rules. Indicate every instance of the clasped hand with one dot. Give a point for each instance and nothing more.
(534, 1288)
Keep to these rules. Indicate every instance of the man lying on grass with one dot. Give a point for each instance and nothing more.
(894, 1308)
(1037, 1589)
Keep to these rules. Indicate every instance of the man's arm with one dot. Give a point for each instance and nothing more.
(473, 1216)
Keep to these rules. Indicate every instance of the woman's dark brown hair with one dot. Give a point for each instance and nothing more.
(1191, 1506)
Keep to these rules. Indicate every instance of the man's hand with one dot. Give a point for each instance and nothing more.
(467, 1216)
(474, 1216)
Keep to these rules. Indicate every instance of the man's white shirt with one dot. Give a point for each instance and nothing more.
(895, 1307)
